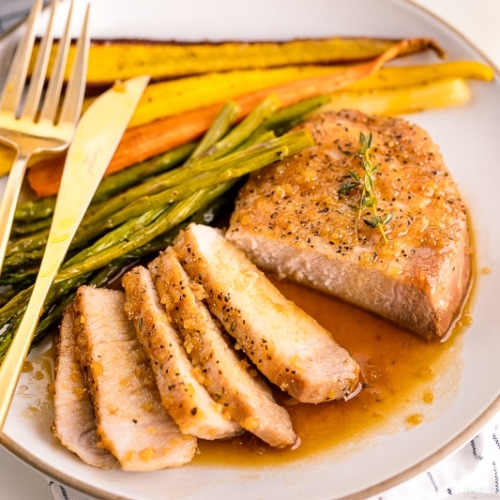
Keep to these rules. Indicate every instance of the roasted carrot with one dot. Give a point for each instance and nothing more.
(149, 140)
(440, 93)
(123, 59)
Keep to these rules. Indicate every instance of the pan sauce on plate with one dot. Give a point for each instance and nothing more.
(406, 381)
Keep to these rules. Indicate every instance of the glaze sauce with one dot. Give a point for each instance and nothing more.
(402, 376)
(405, 381)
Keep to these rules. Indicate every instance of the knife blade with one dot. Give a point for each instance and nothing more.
(96, 138)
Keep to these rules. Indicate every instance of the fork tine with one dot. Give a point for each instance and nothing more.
(38, 76)
(14, 85)
(51, 102)
(72, 105)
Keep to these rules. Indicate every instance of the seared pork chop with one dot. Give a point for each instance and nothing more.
(185, 398)
(288, 346)
(246, 396)
(293, 218)
(131, 421)
(74, 420)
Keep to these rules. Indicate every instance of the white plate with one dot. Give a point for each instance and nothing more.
(469, 142)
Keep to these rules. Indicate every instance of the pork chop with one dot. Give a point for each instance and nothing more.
(131, 421)
(186, 399)
(299, 219)
(74, 419)
(244, 393)
(288, 346)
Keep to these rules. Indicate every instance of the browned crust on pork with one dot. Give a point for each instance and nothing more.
(290, 219)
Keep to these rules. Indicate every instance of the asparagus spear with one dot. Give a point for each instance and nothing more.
(7, 294)
(242, 131)
(60, 297)
(100, 279)
(170, 218)
(21, 259)
(25, 228)
(11, 313)
(20, 275)
(222, 122)
(207, 215)
(286, 118)
(35, 209)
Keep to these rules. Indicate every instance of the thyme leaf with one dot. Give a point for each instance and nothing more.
(368, 199)
(347, 186)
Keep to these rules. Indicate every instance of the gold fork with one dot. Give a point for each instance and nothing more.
(26, 127)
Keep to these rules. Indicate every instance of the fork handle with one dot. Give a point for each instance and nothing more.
(60, 237)
(77, 188)
(14, 360)
(9, 199)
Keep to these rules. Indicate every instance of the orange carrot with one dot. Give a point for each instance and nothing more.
(146, 141)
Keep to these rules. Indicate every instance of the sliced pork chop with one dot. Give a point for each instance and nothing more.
(291, 219)
(247, 398)
(131, 421)
(288, 346)
(185, 398)
(74, 421)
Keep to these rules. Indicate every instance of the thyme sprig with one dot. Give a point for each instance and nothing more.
(368, 199)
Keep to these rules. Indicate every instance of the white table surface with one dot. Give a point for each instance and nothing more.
(478, 20)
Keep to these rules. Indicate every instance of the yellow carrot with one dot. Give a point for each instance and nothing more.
(402, 100)
(120, 60)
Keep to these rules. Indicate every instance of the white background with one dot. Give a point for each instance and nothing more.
(478, 20)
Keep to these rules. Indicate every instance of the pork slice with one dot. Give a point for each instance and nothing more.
(131, 421)
(293, 218)
(287, 345)
(245, 394)
(74, 420)
(185, 398)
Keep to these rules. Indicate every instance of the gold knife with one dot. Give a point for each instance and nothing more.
(96, 139)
